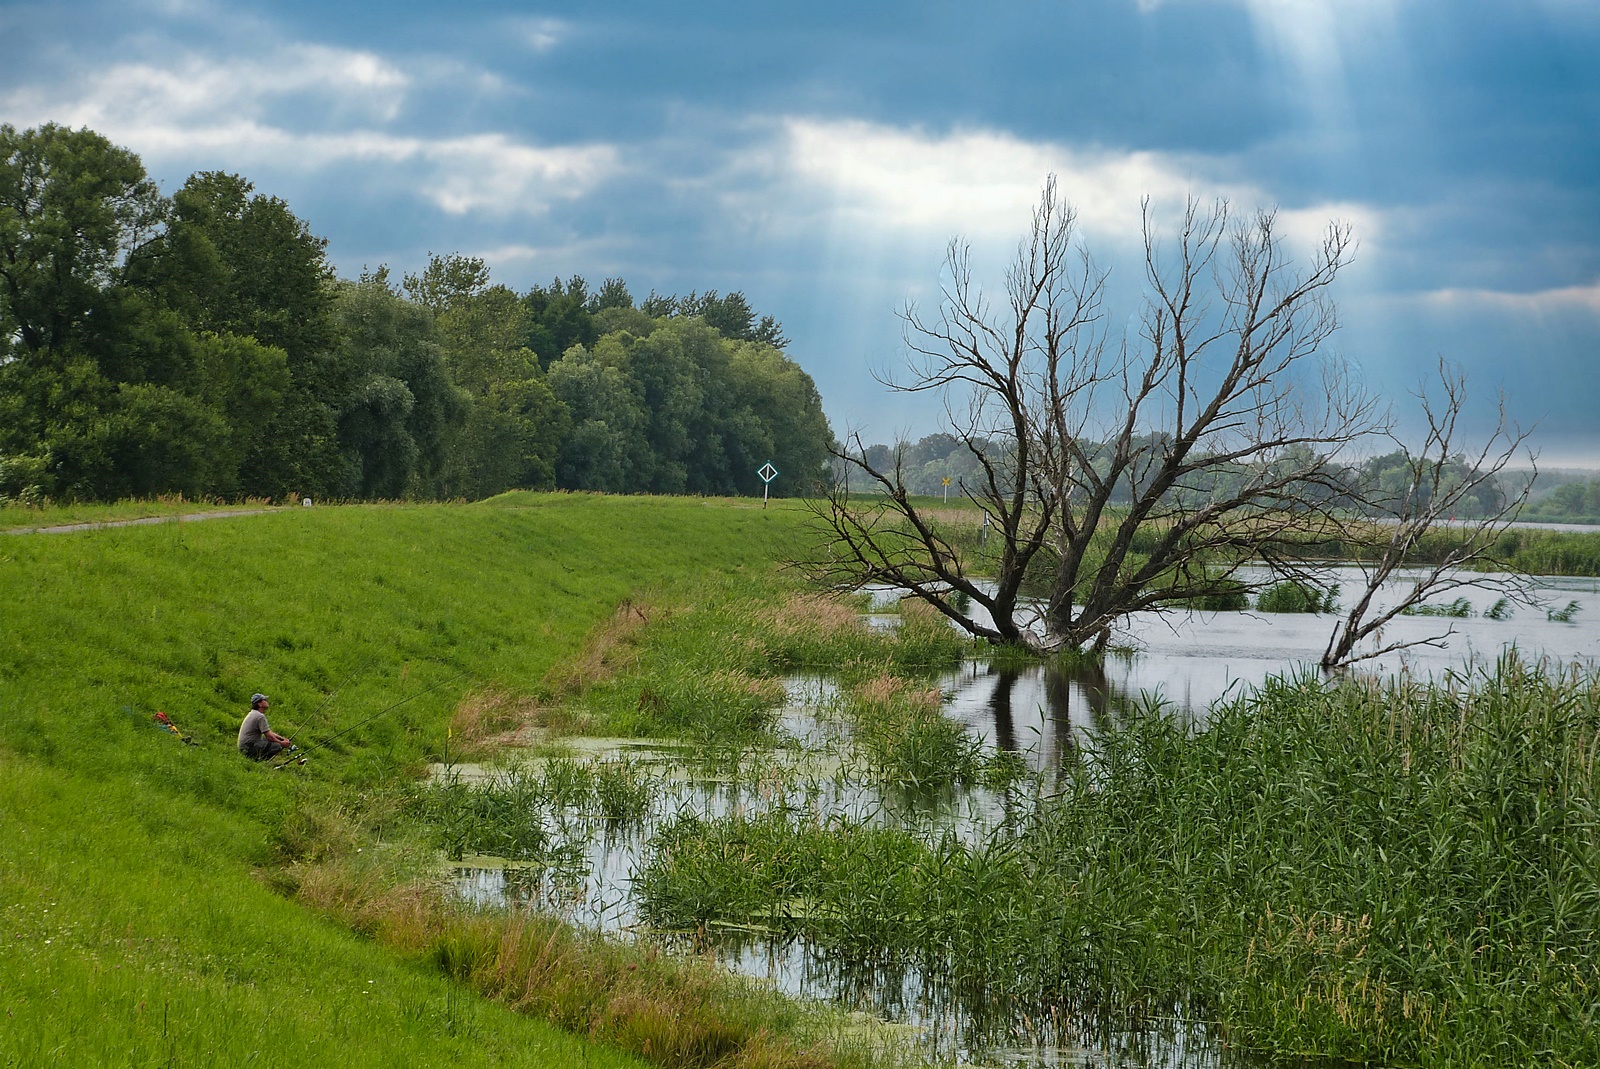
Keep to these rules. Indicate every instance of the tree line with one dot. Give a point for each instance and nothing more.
(1574, 498)
(202, 344)
(1379, 485)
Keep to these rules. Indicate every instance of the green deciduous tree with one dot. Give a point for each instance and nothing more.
(107, 387)
(73, 209)
(236, 262)
(513, 423)
(241, 262)
(684, 409)
(731, 315)
(606, 448)
(559, 317)
(513, 435)
(780, 414)
(396, 405)
(203, 345)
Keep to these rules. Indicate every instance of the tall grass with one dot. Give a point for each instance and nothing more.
(709, 663)
(506, 816)
(671, 1010)
(1532, 551)
(1393, 875)
(1294, 595)
(901, 738)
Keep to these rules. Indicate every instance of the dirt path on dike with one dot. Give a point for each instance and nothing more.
(189, 517)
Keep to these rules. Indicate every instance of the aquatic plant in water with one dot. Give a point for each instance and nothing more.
(1564, 615)
(1384, 874)
(1295, 595)
(511, 814)
(902, 735)
(1459, 609)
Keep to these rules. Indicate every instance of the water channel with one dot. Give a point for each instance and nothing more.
(1188, 661)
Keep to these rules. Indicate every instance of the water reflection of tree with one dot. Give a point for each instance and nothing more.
(1078, 695)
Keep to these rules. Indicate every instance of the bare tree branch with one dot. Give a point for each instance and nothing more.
(1119, 473)
(1441, 478)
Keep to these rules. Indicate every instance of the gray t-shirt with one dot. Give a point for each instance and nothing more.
(253, 729)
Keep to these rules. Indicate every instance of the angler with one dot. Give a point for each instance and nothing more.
(257, 741)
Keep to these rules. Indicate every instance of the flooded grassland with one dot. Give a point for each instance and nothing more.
(1197, 853)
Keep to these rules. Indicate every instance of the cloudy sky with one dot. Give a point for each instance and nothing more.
(820, 156)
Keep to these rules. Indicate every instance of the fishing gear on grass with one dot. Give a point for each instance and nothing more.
(163, 721)
(300, 758)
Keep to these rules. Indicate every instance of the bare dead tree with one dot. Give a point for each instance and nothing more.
(1135, 471)
(1441, 478)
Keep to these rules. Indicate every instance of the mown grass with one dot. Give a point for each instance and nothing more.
(150, 851)
(132, 932)
(106, 627)
(1396, 875)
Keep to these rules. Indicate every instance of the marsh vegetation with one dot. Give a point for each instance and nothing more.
(1370, 871)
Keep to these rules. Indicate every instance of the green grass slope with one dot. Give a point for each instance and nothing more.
(133, 927)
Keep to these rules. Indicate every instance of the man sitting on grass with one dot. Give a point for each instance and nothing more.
(256, 740)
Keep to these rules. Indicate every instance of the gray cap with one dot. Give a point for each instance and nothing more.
(257, 699)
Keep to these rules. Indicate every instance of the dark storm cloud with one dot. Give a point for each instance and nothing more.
(818, 156)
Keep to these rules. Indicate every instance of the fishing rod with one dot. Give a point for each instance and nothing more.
(299, 755)
(334, 693)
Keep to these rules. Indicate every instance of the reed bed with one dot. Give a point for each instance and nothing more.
(1398, 874)
(510, 814)
(901, 738)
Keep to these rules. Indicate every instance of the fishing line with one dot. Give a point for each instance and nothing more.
(334, 693)
(299, 755)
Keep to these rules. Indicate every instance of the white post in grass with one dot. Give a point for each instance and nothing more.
(767, 473)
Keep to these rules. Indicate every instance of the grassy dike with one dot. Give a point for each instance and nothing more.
(137, 921)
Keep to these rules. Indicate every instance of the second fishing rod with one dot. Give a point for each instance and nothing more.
(299, 755)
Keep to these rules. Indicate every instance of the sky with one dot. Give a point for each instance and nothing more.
(821, 156)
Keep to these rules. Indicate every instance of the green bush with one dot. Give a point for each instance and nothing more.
(1297, 596)
(1228, 595)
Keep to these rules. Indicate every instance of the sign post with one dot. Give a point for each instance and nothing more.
(767, 473)
(947, 489)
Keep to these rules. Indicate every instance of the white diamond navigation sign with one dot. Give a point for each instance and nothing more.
(767, 473)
